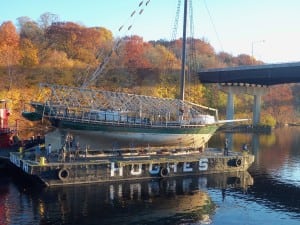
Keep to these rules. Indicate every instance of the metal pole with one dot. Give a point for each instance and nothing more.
(183, 60)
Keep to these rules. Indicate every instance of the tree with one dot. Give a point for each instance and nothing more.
(29, 53)
(243, 59)
(30, 30)
(58, 68)
(98, 40)
(225, 58)
(79, 42)
(135, 49)
(9, 50)
(279, 103)
(46, 19)
(161, 58)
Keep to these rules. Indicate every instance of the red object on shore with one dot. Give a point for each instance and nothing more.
(6, 133)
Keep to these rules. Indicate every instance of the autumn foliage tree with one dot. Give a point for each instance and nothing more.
(279, 103)
(9, 52)
(78, 42)
(29, 53)
(134, 52)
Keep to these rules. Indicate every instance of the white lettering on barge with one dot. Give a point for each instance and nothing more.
(154, 168)
(203, 164)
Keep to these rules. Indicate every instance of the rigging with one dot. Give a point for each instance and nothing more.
(213, 24)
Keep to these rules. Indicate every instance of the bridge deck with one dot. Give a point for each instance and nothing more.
(266, 74)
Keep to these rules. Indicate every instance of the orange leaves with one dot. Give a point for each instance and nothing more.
(8, 35)
(9, 44)
(279, 103)
(134, 49)
(29, 53)
(279, 95)
(9, 52)
(78, 41)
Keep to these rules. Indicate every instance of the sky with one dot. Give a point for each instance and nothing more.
(267, 29)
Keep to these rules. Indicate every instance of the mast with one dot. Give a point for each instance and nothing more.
(183, 60)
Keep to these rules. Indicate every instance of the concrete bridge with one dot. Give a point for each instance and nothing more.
(253, 80)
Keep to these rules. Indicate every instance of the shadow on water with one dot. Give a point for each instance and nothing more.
(181, 200)
(275, 194)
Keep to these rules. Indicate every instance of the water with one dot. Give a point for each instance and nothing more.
(268, 194)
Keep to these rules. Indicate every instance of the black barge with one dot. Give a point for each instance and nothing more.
(93, 167)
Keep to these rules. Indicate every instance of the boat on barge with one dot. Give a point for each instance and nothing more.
(125, 116)
(155, 121)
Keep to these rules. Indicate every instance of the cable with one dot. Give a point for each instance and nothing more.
(214, 27)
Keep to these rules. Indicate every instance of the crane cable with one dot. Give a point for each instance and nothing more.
(213, 24)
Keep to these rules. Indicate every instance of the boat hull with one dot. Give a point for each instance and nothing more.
(120, 137)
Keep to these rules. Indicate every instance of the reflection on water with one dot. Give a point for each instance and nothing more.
(276, 170)
(182, 200)
(285, 174)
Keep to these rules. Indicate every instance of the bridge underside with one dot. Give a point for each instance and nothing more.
(258, 77)
(266, 74)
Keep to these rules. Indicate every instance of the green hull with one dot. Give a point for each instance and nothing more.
(88, 130)
(32, 116)
(115, 127)
(95, 135)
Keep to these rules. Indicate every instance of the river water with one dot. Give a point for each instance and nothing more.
(268, 194)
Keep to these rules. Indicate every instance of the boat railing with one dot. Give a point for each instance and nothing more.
(171, 124)
(115, 118)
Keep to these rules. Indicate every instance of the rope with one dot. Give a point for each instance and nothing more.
(213, 24)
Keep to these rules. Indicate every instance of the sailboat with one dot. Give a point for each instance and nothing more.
(144, 120)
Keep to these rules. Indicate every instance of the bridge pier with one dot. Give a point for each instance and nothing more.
(256, 91)
(230, 105)
(256, 109)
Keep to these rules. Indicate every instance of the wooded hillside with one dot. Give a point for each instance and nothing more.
(68, 53)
